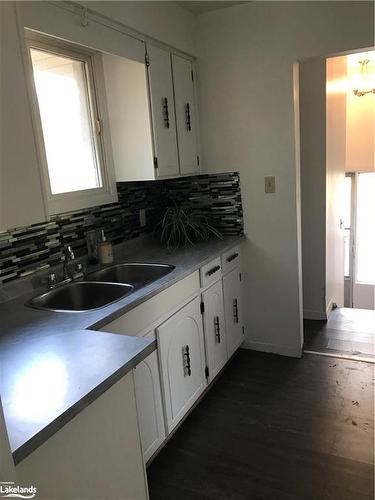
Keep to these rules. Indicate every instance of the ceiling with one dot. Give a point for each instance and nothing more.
(198, 8)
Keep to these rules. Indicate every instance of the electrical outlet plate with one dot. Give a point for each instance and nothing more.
(270, 184)
(142, 217)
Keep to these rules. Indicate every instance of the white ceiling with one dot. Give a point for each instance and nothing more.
(197, 8)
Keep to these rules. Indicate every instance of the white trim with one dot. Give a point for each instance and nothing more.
(352, 357)
(308, 314)
(329, 308)
(116, 25)
(292, 352)
(318, 315)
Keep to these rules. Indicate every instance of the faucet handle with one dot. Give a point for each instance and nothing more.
(51, 280)
(70, 253)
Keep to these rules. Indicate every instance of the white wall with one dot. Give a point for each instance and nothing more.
(165, 21)
(313, 185)
(246, 55)
(360, 120)
(335, 177)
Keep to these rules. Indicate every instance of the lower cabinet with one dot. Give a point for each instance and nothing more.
(233, 310)
(182, 356)
(214, 329)
(149, 404)
(96, 455)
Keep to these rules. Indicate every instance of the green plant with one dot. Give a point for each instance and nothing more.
(181, 225)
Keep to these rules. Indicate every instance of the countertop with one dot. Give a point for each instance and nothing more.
(54, 364)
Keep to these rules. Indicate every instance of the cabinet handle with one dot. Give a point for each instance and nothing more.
(232, 257)
(217, 329)
(235, 310)
(166, 112)
(212, 271)
(187, 363)
(187, 117)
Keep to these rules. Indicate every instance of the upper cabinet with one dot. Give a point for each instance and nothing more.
(184, 92)
(163, 112)
(21, 195)
(174, 116)
(152, 114)
(85, 105)
(129, 117)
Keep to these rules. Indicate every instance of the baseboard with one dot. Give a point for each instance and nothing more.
(329, 308)
(308, 314)
(322, 315)
(273, 348)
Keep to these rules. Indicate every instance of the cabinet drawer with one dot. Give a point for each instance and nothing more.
(138, 319)
(230, 259)
(211, 272)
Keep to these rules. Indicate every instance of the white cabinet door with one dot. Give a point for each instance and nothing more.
(149, 404)
(181, 349)
(185, 115)
(21, 194)
(162, 110)
(214, 328)
(129, 118)
(233, 310)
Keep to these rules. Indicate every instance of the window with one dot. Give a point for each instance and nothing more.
(365, 228)
(347, 222)
(69, 127)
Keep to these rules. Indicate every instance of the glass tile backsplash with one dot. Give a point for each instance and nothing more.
(25, 250)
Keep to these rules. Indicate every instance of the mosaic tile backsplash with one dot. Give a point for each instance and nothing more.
(24, 251)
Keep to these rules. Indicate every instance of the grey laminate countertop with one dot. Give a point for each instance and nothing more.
(54, 364)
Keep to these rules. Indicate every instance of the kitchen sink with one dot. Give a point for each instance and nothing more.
(138, 274)
(80, 296)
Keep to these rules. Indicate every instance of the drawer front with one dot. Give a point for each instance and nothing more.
(138, 319)
(211, 272)
(231, 259)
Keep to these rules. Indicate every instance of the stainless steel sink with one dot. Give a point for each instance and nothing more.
(80, 296)
(138, 274)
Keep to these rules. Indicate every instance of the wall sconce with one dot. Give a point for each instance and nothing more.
(364, 84)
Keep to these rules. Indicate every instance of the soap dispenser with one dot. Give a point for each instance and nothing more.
(105, 250)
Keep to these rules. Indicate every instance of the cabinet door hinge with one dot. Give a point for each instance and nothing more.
(198, 160)
(156, 162)
(147, 59)
(207, 372)
(202, 307)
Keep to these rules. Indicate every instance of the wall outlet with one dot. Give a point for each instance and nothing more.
(142, 217)
(270, 184)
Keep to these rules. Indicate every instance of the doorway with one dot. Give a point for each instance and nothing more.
(359, 240)
(338, 204)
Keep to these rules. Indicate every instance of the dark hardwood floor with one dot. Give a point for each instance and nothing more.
(349, 332)
(275, 428)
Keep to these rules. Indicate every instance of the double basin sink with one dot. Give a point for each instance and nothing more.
(100, 288)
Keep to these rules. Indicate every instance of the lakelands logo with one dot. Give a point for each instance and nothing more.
(10, 490)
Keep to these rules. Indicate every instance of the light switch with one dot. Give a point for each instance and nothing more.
(270, 184)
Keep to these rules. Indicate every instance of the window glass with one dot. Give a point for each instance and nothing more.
(66, 116)
(347, 222)
(366, 228)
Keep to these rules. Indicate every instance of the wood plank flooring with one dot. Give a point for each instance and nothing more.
(275, 428)
(349, 332)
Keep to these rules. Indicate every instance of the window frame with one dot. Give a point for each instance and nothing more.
(75, 200)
